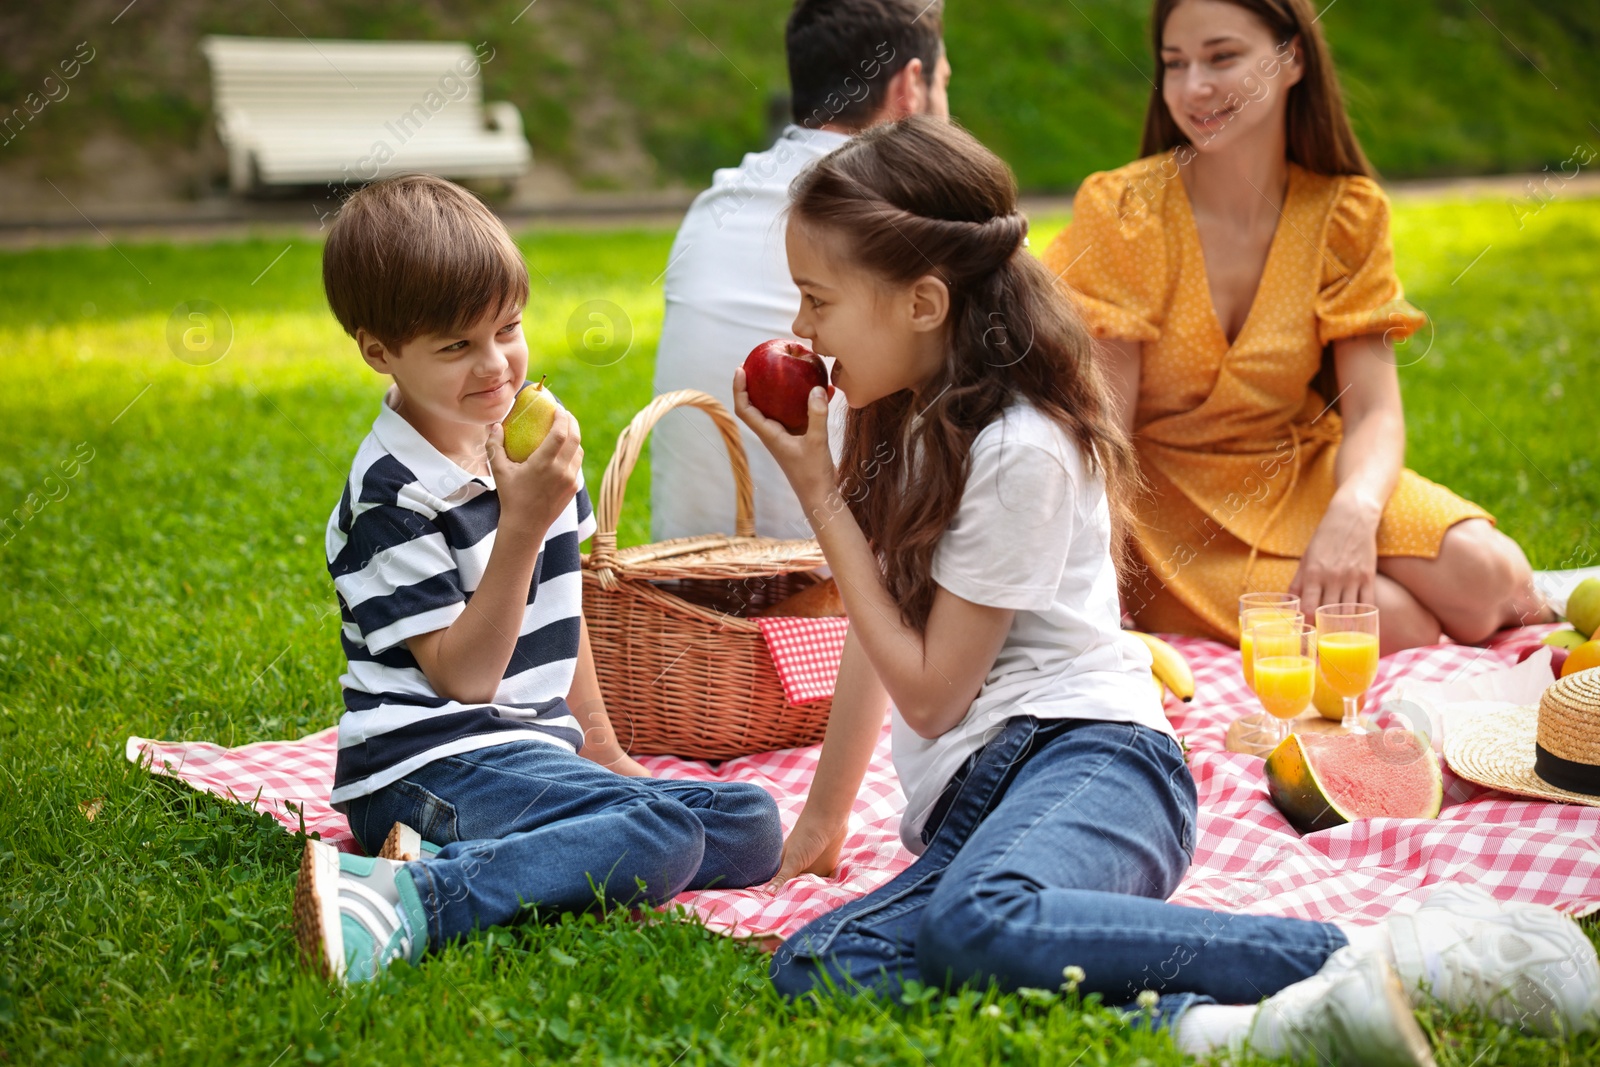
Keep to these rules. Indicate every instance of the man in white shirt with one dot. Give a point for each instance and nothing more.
(852, 64)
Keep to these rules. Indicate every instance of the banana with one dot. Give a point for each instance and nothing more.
(1161, 690)
(1168, 665)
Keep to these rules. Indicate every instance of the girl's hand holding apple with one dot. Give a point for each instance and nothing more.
(804, 458)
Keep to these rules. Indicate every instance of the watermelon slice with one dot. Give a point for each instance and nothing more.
(1319, 782)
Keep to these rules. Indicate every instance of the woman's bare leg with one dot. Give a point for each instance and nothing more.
(1480, 582)
(1405, 622)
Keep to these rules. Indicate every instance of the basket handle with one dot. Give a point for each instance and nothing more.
(631, 442)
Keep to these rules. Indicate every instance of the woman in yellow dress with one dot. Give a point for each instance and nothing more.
(1220, 271)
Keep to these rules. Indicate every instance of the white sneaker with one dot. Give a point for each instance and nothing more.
(354, 915)
(1353, 1011)
(1524, 964)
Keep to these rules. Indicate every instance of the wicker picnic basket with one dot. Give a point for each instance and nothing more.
(683, 670)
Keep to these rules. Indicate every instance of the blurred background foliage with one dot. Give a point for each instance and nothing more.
(640, 94)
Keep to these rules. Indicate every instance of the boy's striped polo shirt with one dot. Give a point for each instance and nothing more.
(407, 546)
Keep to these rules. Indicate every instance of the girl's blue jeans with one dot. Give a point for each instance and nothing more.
(1057, 845)
(529, 823)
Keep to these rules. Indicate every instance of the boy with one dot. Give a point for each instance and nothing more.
(473, 717)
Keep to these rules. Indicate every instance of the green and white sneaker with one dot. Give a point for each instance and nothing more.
(1352, 1011)
(1524, 964)
(354, 915)
(405, 844)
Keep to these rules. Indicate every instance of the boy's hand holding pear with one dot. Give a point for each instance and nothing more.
(535, 491)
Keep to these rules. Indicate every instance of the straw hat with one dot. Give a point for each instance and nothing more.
(1552, 752)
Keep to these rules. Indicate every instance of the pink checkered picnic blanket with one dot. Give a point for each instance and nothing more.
(1247, 859)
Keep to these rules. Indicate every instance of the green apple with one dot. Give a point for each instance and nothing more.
(1583, 607)
(1563, 639)
(529, 421)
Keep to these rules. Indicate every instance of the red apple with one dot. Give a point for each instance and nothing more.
(1557, 659)
(779, 376)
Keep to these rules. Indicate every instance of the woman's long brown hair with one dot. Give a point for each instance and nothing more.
(922, 196)
(1319, 134)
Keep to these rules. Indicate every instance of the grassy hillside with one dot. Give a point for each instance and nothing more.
(636, 93)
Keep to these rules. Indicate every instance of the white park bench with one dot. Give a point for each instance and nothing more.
(299, 112)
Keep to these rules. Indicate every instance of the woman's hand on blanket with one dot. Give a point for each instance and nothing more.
(804, 458)
(1340, 565)
(812, 847)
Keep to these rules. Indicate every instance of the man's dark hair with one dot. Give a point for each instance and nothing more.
(843, 53)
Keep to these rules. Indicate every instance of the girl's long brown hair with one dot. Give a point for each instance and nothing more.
(922, 196)
(1319, 133)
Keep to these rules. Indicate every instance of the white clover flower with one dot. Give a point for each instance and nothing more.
(1073, 974)
(1147, 999)
(992, 1011)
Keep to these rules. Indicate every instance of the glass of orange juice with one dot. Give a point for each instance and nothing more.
(1347, 649)
(1257, 608)
(1285, 670)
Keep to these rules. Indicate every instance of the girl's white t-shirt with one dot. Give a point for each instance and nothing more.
(1032, 533)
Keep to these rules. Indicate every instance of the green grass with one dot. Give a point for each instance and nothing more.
(175, 587)
(640, 92)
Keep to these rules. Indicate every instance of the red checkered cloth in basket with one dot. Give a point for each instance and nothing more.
(1247, 859)
(806, 654)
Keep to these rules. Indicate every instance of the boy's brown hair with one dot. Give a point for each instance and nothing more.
(414, 255)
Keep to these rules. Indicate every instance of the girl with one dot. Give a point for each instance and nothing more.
(970, 529)
(1250, 246)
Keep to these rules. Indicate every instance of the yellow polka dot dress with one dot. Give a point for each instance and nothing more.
(1234, 440)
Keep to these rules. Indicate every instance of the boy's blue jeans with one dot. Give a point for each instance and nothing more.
(528, 823)
(1055, 845)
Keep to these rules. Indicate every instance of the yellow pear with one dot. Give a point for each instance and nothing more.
(529, 421)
